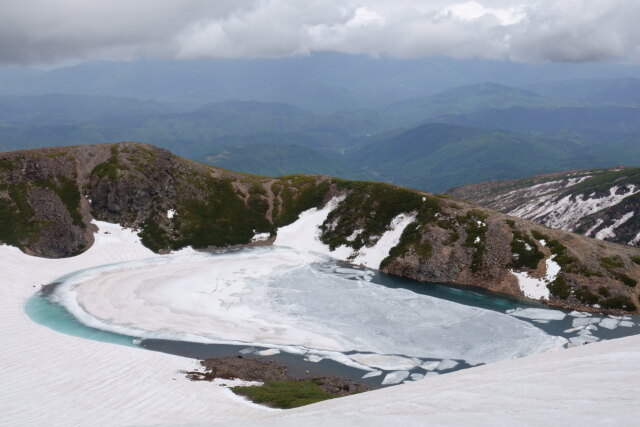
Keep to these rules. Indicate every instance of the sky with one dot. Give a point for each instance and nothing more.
(44, 32)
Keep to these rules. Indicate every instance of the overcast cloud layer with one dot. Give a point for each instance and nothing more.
(45, 31)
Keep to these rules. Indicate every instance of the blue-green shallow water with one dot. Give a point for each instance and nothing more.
(54, 316)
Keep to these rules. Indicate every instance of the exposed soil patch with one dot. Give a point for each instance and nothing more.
(295, 391)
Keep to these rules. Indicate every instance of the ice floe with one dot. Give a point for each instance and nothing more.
(446, 364)
(268, 352)
(386, 362)
(372, 374)
(395, 377)
(584, 321)
(537, 313)
(430, 366)
(609, 323)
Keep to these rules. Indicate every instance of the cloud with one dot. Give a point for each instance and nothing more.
(44, 31)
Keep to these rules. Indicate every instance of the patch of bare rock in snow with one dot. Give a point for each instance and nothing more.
(541, 192)
(565, 213)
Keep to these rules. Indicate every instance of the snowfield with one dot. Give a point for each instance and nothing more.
(53, 379)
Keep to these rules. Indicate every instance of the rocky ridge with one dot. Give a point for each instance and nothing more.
(48, 198)
(602, 203)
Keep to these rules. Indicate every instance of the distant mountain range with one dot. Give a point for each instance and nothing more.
(461, 136)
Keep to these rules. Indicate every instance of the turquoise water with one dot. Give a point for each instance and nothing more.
(54, 316)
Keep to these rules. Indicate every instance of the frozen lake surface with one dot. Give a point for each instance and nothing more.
(311, 305)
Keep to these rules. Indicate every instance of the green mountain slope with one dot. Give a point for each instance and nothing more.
(466, 99)
(596, 123)
(622, 91)
(436, 157)
(274, 160)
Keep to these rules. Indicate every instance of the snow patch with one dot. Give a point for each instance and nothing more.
(304, 233)
(171, 213)
(260, 237)
(635, 240)
(537, 288)
(373, 256)
(598, 223)
(608, 232)
(355, 234)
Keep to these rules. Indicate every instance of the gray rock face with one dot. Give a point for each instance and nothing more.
(59, 236)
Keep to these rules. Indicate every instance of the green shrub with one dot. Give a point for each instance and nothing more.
(284, 394)
(604, 291)
(539, 236)
(371, 207)
(524, 257)
(626, 280)
(108, 169)
(559, 288)
(560, 251)
(612, 262)
(620, 302)
(221, 220)
(410, 240)
(153, 236)
(586, 296)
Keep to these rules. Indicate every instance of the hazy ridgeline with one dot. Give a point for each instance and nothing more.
(430, 123)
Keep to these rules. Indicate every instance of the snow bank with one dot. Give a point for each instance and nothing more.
(373, 256)
(304, 233)
(54, 379)
(535, 288)
(564, 388)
